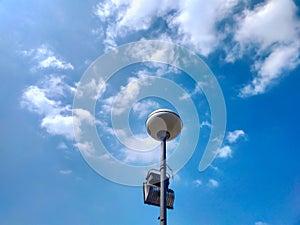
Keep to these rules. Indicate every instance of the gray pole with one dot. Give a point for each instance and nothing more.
(163, 199)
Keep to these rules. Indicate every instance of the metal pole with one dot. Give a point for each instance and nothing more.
(163, 199)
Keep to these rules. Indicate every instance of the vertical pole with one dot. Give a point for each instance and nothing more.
(163, 199)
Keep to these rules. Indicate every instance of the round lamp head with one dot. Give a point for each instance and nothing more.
(163, 124)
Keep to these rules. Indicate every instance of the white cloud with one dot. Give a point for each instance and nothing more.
(144, 108)
(131, 156)
(233, 136)
(81, 115)
(45, 58)
(138, 142)
(92, 89)
(126, 97)
(65, 172)
(56, 117)
(148, 151)
(272, 31)
(185, 96)
(268, 33)
(35, 99)
(62, 145)
(82, 121)
(195, 91)
(53, 62)
(261, 223)
(58, 125)
(125, 17)
(86, 148)
(205, 124)
(272, 68)
(274, 21)
(197, 23)
(198, 182)
(139, 13)
(55, 86)
(213, 183)
(215, 168)
(190, 22)
(224, 152)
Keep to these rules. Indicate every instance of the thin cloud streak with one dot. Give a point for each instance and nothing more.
(43, 58)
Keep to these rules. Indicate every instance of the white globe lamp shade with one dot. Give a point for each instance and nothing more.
(163, 124)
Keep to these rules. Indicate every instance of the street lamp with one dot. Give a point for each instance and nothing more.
(163, 125)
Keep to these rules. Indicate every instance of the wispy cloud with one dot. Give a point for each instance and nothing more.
(144, 108)
(205, 124)
(65, 172)
(86, 148)
(131, 156)
(119, 103)
(195, 91)
(197, 182)
(45, 58)
(93, 89)
(45, 100)
(62, 145)
(260, 223)
(213, 183)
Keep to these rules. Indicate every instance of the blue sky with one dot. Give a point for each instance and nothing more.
(48, 175)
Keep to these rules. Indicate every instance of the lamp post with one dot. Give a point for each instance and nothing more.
(163, 125)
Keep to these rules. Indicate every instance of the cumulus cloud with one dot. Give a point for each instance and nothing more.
(35, 99)
(268, 32)
(197, 23)
(224, 152)
(272, 29)
(58, 125)
(45, 100)
(189, 25)
(271, 22)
